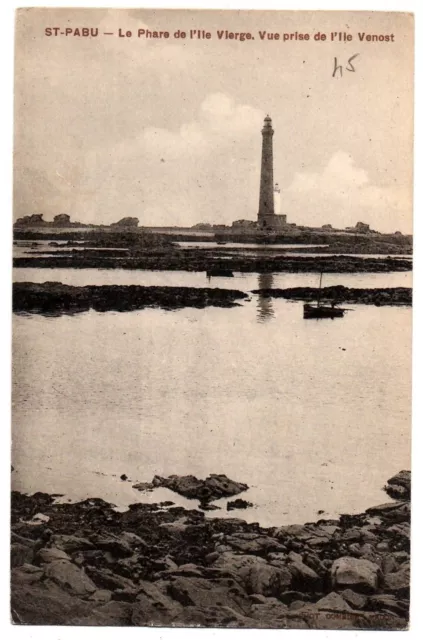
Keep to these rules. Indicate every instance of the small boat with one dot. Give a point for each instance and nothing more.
(221, 242)
(219, 272)
(320, 310)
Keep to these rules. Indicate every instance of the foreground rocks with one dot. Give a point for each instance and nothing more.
(346, 295)
(56, 298)
(158, 564)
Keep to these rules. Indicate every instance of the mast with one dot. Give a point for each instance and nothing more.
(320, 289)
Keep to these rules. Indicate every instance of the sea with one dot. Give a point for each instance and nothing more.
(314, 415)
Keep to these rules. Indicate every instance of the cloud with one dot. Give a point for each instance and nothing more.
(339, 177)
(342, 194)
(220, 122)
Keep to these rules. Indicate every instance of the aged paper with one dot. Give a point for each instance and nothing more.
(212, 318)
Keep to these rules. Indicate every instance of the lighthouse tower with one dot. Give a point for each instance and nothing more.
(267, 219)
(266, 204)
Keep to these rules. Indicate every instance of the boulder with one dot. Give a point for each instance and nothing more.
(153, 606)
(313, 561)
(176, 527)
(111, 614)
(125, 595)
(355, 573)
(188, 569)
(26, 573)
(401, 556)
(397, 492)
(384, 510)
(368, 552)
(402, 513)
(105, 579)
(398, 582)
(101, 596)
(70, 577)
(257, 598)
(401, 530)
(46, 603)
(399, 486)
(70, 544)
(368, 535)
(388, 602)
(132, 540)
(299, 531)
(239, 503)
(254, 543)
(143, 486)
(113, 544)
(20, 554)
(303, 577)
(353, 534)
(265, 579)
(15, 537)
(199, 592)
(50, 554)
(211, 557)
(233, 562)
(332, 602)
(389, 563)
(277, 558)
(354, 599)
(213, 487)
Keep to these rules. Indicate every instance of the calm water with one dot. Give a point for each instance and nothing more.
(311, 414)
(246, 245)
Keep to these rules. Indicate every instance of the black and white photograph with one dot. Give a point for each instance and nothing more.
(212, 318)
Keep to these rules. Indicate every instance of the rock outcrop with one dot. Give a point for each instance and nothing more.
(55, 298)
(213, 487)
(213, 261)
(343, 295)
(158, 564)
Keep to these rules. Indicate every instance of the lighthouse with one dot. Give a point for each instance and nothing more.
(266, 204)
(267, 219)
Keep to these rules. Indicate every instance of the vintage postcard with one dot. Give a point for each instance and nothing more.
(212, 303)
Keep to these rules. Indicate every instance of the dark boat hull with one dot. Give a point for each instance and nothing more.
(223, 273)
(311, 311)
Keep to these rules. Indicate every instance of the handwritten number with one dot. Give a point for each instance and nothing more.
(350, 64)
(349, 67)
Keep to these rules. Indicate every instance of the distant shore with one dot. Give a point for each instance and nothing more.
(199, 260)
(162, 565)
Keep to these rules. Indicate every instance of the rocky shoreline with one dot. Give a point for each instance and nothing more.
(373, 243)
(211, 260)
(56, 298)
(395, 296)
(162, 565)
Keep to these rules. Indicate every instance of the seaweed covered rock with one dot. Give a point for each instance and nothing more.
(213, 487)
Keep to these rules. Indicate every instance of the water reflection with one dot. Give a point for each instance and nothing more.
(265, 309)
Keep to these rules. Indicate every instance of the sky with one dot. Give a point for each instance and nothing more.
(169, 130)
